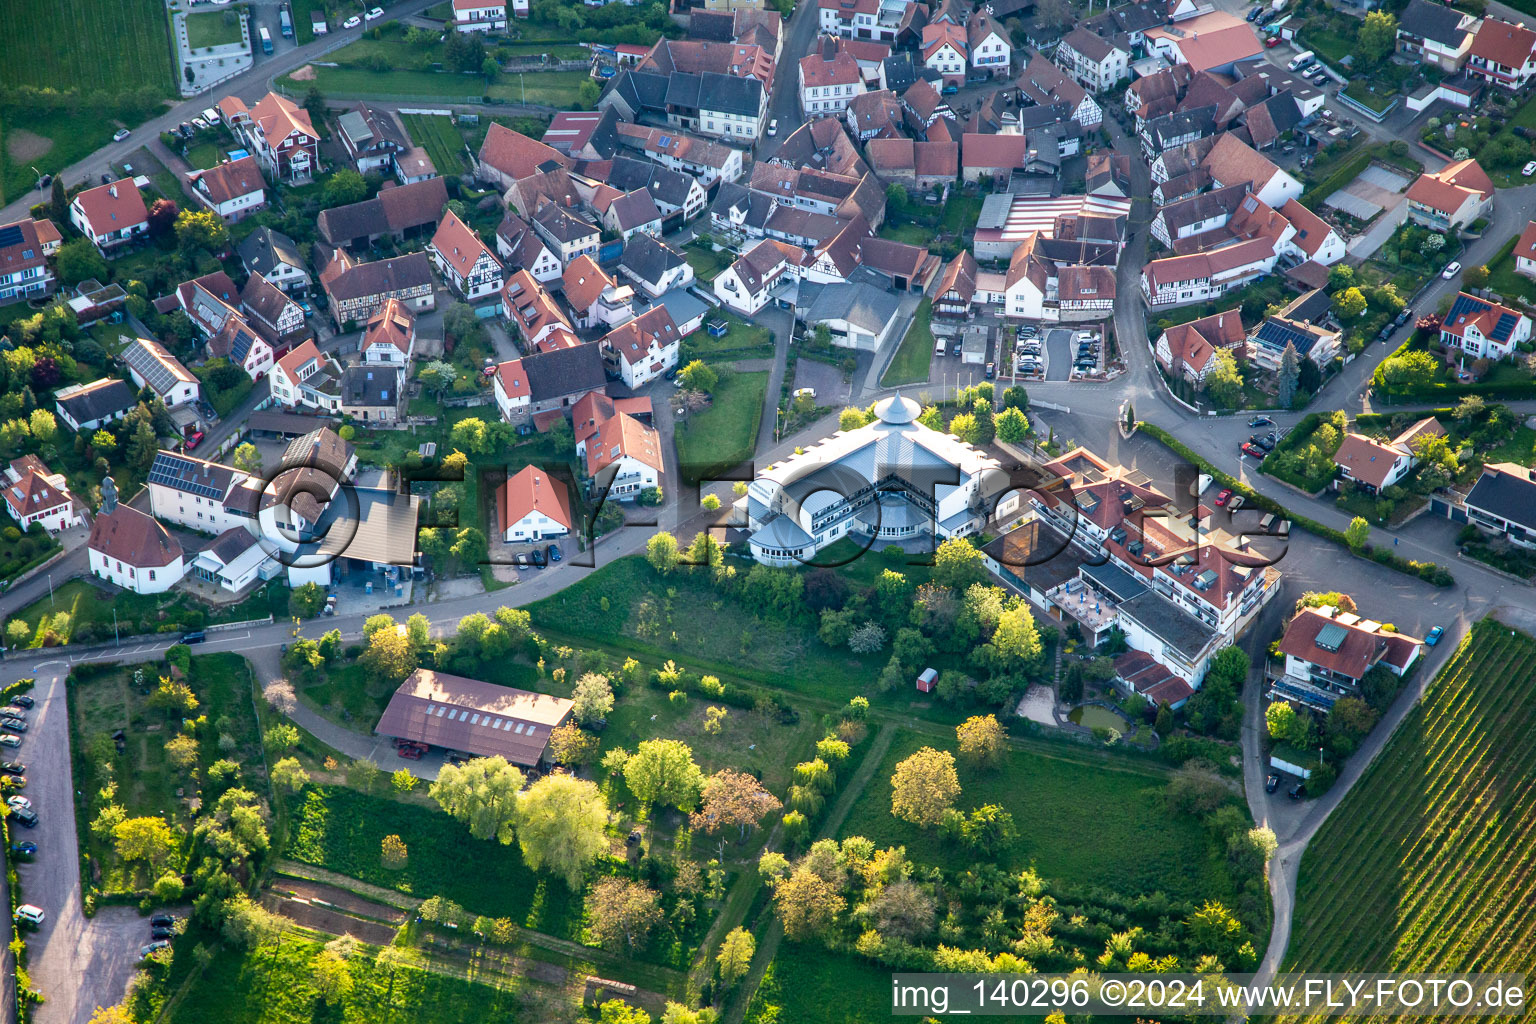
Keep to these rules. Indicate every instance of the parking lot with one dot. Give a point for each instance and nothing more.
(1058, 354)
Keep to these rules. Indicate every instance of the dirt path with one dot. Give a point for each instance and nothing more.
(736, 1010)
(339, 899)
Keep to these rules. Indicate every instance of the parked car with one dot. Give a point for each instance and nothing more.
(1261, 421)
(1268, 441)
(29, 913)
(13, 768)
(991, 370)
(20, 714)
(1253, 451)
(195, 637)
(1272, 42)
(18, 803)
(554, 553)
(200, 123)
(773, 128)
(24, 817)
(22, 700)
(13, 724)
(161, 931)
(120, 134)
(375, 13)
(195, 440)
(1404, 316)
(1320, 79)
(1223, 497)
(1451, 270)
(24, 848)
(1529, 169)
(352, 22)
(1434, 636)
(1272, 783)
(1253, 14)
(1236, 502)
(1297, 791)
(146, 951)
(14, 782)
(10, 739)
(161, 918)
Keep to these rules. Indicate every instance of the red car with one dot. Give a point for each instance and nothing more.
(409, 749)
(195, 440)
(1253, 451)
(1221, 499)
(1272, 42)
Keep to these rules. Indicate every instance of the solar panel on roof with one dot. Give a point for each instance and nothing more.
(666, 140)
(10, 235)
(184, 475)
(1331, 637)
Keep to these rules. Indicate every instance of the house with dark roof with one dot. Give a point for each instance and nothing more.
(584, 134)
(518, 244)
(92, 406)
(653, 265)
(1043, 83)
(370, 393)
(1502, 502)
(1435, 34)
(858, 316)
(1306, 324)
(567, 235)
(547, 381)
(671, 190)
(275, 315)
(1483, 329)
(274, 256)
(234, 561)
(644, 348)
(1093, 60)
(398, 212)
(358, 290)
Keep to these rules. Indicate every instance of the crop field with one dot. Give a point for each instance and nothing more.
(1427, 864)
(85, 45)
(437, 135)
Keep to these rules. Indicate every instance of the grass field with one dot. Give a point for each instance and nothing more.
(212, 28)
(1070, 809)
(686, 619)
(1426, 866)
(78, 612)
(204, 155)
(86, 45)
(724, 434)
(342, 829)
(437, 135)
(706, 263)
(810, 984)
(910, 363)
(549, 88)
(276, 985)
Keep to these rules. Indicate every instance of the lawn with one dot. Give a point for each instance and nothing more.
(225, 400)
(810, 984)
(706, 263)
(276, 985)
(1303, 460)
(627, 605)
(910, 363)
(1426, 864)
(204, 155)
(725, 434)
(1503, 279)
(1365, 93)
(549, 88)
(147, 783)
(741, 341)
(1071, 808)
(80, 612)
(342, 830)
(442, 141)
(213, 28)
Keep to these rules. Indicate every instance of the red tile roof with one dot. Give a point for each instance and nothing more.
(1448, 188)
(514, 379)
(623, 435)
(484, 719)
(514, 154)
(230, 180)
(458, 245)
(1503, 43)
(278, 117)
(531, 490)
(1356, 652)
(633, 340)
(1526, 246)
(393, 325)
(129, 536)
(32, 492)
(113, 207)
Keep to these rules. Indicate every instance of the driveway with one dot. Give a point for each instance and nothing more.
(1058, 354)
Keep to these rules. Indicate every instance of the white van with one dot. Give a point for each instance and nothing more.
(28, 913)
(938, 347)
(1301, 60)
(211, 116)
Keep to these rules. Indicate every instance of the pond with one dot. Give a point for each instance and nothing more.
(1095, 717)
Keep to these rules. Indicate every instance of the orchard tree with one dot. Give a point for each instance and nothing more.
(621, 913)
(924, 786)
(731, 797)
(289, 775)
(388, 656)
(661, 551)
(902, 910)
(807, 904)
(663, 771)
(735, 956)
(592, 698)
(561, 826)
(482, 793)
(982, 740)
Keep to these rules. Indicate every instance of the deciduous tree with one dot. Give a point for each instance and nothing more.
(735, 956)
(733, 798)
(482, 793)
(807, 904)
(1356, 533)
(982, 740)
(561, 826)
(388, 656)
(661, 551)
(287, 774)
(148, 839)
(621, 913)
(663, 771)
(957, 563)
(924, 786)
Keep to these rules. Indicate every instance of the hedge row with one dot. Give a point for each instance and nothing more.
(1439, 392)
(1342, 175)
(1429, 572)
